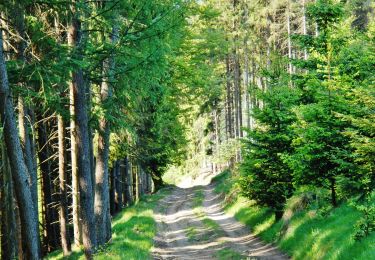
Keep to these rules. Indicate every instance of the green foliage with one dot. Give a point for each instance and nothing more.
(308, 233)
(265, 177)
(366, 224)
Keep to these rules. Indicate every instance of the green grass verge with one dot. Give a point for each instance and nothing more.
(308, 235)
(133, 231)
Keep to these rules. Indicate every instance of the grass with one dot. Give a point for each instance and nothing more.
(308, 235)
(210, 225)
(226, 253)
(133, 231)
(198, 198)
(191, 233)
(224, 182)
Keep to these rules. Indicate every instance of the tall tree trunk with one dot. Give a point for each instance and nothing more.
(237, 79)
(23, 121)
(112, 191)
(82, 140)
(8, 229)
(129, 181)
(18, 166)
(49, 243)
(27, 144)
(102, 210)
(247, 86)
(136, 183)
(290, 67)
(77, 225)
(118, 186)
(304, 27)
(229, 99)
(63, 206)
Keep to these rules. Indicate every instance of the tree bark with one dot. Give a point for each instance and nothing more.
(18, 166)
(7, 211)
(26, 138)
(102, 210)
(333, 192)
(82, 140)
(129, 180)
(77, 226)
(118, 186)
(229, 99)
(44, 153)
(63, 207)
(112, 191)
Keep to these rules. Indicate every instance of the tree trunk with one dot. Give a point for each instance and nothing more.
(25, 123)
(129, 180)
(102, 211)
(82, 139)
(229, 100)
(290, 67)
(112, 191)
(49, 243)
(118, 186)
(63, 207)
(333, 192)
(238, 95)
(304, 27)
(18, 166)
(8, 227)
(77, 225)
(27, 144)
(158, 182)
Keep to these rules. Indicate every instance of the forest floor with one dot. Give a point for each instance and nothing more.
(191, 224)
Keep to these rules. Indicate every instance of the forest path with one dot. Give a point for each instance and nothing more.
(193, 225)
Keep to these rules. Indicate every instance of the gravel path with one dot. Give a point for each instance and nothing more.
(183, 232)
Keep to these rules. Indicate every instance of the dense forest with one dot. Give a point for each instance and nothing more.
(100, 99)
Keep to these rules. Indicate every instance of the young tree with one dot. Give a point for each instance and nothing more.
(265, 177)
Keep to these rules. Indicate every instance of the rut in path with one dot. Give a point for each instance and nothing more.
(186, 231)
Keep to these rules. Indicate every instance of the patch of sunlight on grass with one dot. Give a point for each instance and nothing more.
(308, 234)
(191, 233)
(133, 231)
(265, 225)
(198, 198)
(226, 253)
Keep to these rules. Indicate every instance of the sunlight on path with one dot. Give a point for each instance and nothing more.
(184, 230)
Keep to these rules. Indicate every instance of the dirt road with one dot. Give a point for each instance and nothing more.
(192, 225)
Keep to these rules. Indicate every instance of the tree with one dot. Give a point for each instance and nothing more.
(265, 177)
(18, 166)
(322, 154)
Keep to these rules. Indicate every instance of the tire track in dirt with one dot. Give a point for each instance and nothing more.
(176, 214)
